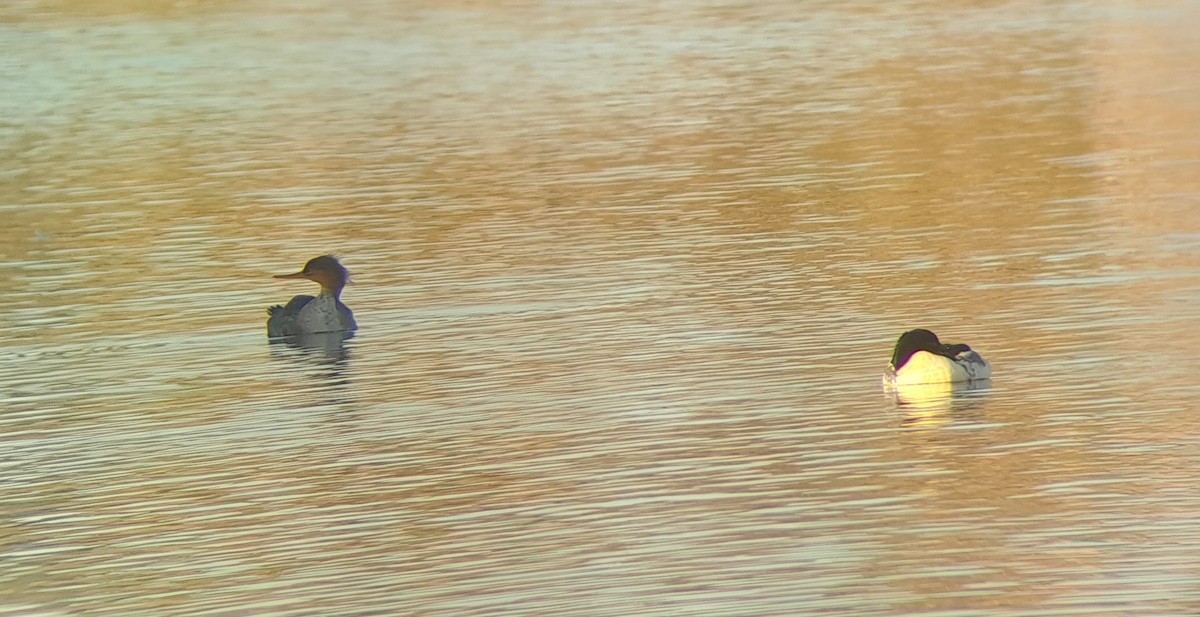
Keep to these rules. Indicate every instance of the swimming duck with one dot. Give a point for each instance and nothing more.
(309, 315)
(920, 358)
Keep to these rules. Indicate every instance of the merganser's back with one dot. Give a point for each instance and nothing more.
(309, 315)
(920, 358)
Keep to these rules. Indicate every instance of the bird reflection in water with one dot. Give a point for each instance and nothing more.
(325, 350)
(936, 404)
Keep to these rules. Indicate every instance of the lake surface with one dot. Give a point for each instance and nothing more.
(627, 276)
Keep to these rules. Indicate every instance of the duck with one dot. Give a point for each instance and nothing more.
(921, 358)
(308, 315)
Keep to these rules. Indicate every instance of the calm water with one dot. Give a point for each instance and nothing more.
(627, 275)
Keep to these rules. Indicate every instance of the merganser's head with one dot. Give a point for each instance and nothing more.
(922, 340)
(325, 271)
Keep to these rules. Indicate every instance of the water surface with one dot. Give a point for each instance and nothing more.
(627, 276)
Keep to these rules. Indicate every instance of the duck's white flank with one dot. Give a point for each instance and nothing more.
(924, 367)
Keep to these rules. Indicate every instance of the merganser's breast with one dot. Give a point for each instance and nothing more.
(308, 315)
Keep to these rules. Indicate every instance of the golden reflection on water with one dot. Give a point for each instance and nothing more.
(627, 277)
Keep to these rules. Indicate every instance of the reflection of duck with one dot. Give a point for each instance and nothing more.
(326, 349)
(923, 395)
(330, 345)
(920, 358)
(931, 404)
(309, 315)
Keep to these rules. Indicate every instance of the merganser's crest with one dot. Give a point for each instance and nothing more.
(308, 315)
(919, 357)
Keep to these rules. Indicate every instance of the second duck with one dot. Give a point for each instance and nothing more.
(920, 358)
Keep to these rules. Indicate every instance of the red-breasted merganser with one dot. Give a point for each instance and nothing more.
(920, 358)
(309, 315)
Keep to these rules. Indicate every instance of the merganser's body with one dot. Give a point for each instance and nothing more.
(920, 358)
(309, 315)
